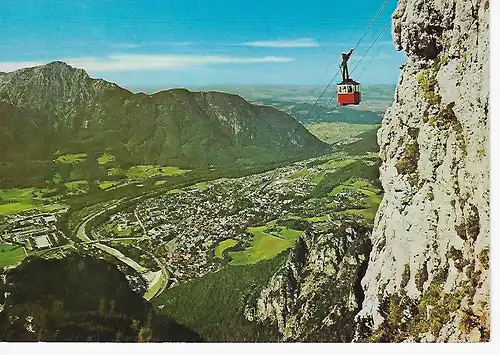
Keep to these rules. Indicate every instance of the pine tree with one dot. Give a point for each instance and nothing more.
(135, 325)
(119, 336)
(102, 307)
(145, 334)
(112, 305)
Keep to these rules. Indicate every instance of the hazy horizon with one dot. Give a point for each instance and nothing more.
(151, 89)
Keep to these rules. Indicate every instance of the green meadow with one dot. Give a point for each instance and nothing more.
(148, 171)
(223, 245)
(175, 191)
(299, 174)
(77, 187)
(104, 185)
(11, 254)
(338, 164)
(105, 159)
(202, 186)
(156, 287)
(71, 158)
(11, 208)
(123, 241)
(20, 200)
(265, 245)
(371, 201)
(115, 172)
(122, 232)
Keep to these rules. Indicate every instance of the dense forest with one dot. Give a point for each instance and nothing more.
(79, 299)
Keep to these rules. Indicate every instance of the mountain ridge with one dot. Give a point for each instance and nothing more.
(175, 127)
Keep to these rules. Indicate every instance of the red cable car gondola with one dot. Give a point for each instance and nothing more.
(348, 91)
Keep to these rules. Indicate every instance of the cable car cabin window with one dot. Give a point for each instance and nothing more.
(348, 89)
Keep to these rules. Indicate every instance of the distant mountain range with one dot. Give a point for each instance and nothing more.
(57, 108)
(304, 103)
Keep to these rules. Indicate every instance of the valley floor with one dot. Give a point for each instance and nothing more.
(194, 244)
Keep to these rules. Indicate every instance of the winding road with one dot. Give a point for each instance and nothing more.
(157, 284)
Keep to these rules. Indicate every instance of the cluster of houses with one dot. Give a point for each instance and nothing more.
(192, 223)
(183, 229)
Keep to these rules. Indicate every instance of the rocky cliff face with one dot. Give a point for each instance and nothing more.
(428, 273)
(316, 294)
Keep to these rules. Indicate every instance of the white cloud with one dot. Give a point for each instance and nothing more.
(141, 62)
(11, 66)
(151, 44)
(292, 43)
(295, 43)
(183, 43)
(126, 45)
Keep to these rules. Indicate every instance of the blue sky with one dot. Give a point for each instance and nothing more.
(198, 42)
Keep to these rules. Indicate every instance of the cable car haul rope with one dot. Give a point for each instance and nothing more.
(348, 91)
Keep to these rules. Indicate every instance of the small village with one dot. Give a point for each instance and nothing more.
(184, 227)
